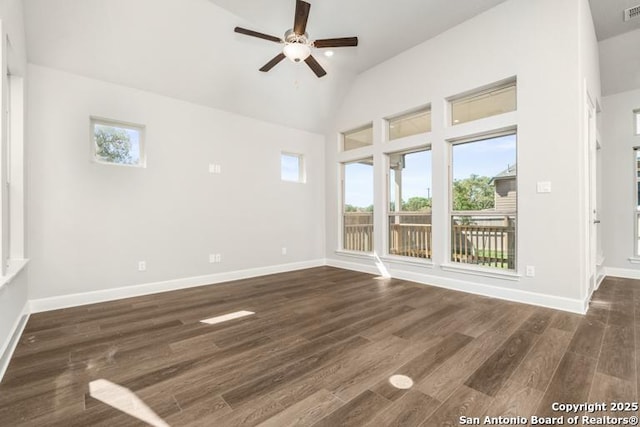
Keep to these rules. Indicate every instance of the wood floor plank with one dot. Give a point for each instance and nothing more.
(514, 400)
(570, 383)
(495, 371)
(410, 410)
(536, 369)
(617, 357)
(464, 402)
(306, 412)
(588, 338)
(356, 412)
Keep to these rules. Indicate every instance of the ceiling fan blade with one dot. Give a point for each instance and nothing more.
(313, 64)
(257, 34)
(302, 14)
(269, 65)
(341, 42)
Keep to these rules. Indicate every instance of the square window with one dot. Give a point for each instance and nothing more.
(117, 143)
(357, 138)
(484, 103)
(291, 167)
(409, 124)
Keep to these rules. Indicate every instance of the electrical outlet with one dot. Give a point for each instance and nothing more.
(218, 258)
(284, 251)
(531, 271)
(142, 266)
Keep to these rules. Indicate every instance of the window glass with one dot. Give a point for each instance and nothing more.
(117, 143)
(409, 215)
(410, 124)
(357, 138)
(358, 206)
(484, 202)
(291, 167)
(486, 103)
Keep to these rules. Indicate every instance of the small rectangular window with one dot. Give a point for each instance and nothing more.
(357, 138)
(357, 206)
(636, 115)
(117, 143)
(484, 202)
(292, 167)
(410, 124)
(409, 199)
(486, 103)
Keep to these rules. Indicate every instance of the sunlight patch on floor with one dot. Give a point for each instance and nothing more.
(402, 382)
(227, 317)
(124, 400)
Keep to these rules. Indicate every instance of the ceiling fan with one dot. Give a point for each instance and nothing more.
(297, 46)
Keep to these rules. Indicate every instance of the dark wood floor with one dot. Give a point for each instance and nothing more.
(320, 350)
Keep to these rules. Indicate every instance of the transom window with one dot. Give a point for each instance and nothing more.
(485, 103)
(410, 204)
(357, 138)
(117, 143)
(409, 124)
(484, 202)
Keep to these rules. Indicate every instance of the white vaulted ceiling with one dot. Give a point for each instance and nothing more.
(187, 49)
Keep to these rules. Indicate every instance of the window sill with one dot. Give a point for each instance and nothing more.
(14, 268)
(353, 254)
(634, 260)
(479, 271)
(416, 262)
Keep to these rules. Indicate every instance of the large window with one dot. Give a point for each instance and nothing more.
(496, 100)
(357, 207)
(484, 202)
(357, 138)
(410, 124)
(117, 143)
(410, 205)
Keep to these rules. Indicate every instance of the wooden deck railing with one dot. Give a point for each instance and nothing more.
(488, 241)
(487, 245)
(413, 240)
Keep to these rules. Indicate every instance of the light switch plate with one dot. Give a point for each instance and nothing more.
(544, 187)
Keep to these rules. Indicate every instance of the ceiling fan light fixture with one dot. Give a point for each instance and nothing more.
(296, 51)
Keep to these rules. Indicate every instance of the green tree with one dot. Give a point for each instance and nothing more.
(415, 204)
(113, 145)
(475, 193)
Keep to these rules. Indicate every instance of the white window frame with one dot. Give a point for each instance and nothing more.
(636, 121)
(302, 175)
(141, 129)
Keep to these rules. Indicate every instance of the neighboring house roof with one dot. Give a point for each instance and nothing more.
(509, 172)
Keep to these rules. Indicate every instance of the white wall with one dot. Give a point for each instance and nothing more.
(540, 43)
(619, 181)
(14, 294)
(90, 224)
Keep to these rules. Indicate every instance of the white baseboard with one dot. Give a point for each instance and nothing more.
(74, 300)
(10, 346)
(517, 295)
(626, 273)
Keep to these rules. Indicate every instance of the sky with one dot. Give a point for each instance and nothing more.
(484, 158)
